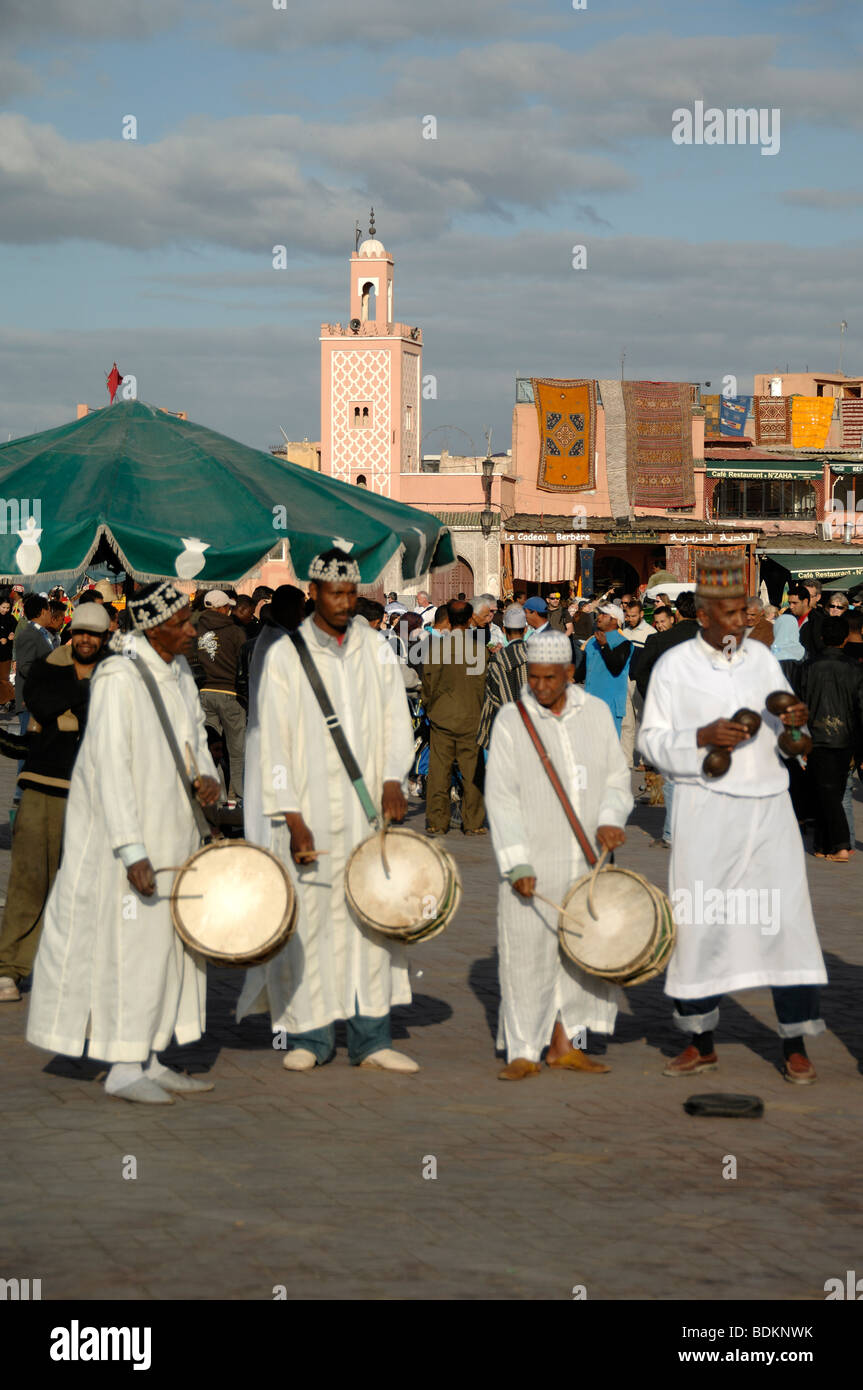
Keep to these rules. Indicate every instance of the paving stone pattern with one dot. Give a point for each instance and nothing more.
(315, 1182)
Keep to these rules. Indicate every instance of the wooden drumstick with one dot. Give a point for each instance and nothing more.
(385, 828)
(599, 863)
(195, 774)
(175, 869)
(557, 907)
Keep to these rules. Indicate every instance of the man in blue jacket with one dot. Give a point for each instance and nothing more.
(608, 656)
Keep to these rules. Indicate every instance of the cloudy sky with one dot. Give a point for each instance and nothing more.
(259, 126)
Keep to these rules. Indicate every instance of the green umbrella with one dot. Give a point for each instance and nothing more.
(171, 498)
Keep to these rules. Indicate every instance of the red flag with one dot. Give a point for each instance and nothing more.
(114, 379)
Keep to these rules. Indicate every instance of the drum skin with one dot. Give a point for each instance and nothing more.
(234, 903)
(632, 935)
(413, 896)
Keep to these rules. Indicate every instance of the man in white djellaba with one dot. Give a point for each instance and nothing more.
(312, 817)
(111, 972)
(545, 998)
(737, 874)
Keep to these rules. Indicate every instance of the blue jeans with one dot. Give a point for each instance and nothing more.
(668, 796)
(365, 1036)
(848, 802)
(23, 721)
(796, 1011)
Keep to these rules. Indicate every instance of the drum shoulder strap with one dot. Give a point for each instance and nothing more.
(331, 719)
(147, 677)
(569, 812)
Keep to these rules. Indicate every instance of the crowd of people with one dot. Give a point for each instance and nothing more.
(452, 702)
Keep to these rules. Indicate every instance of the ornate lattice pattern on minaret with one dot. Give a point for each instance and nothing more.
(410, 398)
(362, 375)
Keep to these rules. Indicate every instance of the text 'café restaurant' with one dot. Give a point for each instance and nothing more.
(608, 476)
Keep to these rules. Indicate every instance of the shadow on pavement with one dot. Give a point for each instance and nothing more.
(842, 1004)
(483, 980)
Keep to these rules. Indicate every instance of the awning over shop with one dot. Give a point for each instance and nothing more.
(815, 564)
(780, 471)
(845, 582)
(856, 466)
(544, 564)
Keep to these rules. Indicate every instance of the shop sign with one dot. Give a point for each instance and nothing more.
(708, 538)
(526, 537)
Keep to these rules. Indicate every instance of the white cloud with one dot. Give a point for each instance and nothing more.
(46, 21)
(488, 308)
(240, 182)
(373, 23)
(629, 86)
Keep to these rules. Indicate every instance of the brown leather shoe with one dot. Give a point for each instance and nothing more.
(518, 1069)
(799, 1070)
(576, 1060)
(690, 1060)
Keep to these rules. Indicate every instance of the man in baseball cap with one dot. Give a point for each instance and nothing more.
(217, 598)
(608, 655)
(536, 612)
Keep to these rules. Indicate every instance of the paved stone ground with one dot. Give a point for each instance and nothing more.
(316, 1182)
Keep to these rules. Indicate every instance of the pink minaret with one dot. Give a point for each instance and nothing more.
(371, 372)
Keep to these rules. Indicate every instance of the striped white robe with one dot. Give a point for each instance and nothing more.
(331, 968)
(110, 966)
(529, 829)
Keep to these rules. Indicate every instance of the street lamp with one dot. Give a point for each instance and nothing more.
(486, 516)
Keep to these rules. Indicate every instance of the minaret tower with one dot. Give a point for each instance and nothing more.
(371, 372)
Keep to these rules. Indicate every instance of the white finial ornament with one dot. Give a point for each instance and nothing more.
(191, 559)
(28, 556)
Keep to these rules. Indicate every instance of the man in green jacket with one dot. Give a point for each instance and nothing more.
(453, 693)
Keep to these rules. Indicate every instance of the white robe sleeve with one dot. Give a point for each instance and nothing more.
(276, 701)
(617, 799)
(673, 751)
(503, 802)
(201, 747)
(398, 729)
(110, 720)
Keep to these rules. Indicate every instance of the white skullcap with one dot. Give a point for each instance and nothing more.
(615, 612)
(549, 648)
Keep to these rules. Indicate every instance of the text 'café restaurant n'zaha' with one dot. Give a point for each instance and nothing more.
(604, 477)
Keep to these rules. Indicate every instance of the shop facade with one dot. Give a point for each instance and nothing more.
(541, 558)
